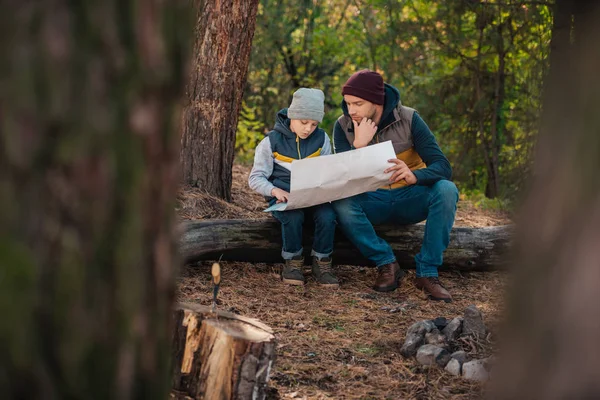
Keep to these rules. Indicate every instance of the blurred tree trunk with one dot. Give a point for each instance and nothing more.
(224, 34)
(553, 348)
(88, 173)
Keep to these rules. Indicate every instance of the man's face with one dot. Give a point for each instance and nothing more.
(360, 108)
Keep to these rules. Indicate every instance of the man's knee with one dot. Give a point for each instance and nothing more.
(345, 207)
(445, 191)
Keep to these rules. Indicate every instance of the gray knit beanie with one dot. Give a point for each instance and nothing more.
(307, 104)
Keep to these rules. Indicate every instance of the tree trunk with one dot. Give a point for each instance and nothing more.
(491, 188)
(553, 349)
(493, 184)
(260, 241)
(220, 356)
(88, 175)
(223, 42)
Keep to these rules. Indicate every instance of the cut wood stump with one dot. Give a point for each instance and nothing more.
(260, 241)
(220, 356)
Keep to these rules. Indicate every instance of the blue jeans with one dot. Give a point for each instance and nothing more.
(292, 222)
(403, 206)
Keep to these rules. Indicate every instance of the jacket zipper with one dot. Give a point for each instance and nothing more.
(298, 147)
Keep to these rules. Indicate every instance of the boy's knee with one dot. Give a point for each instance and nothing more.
(325, 215)
(291, 217)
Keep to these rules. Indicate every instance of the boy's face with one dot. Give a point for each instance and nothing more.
(303, 127)
(360, 108)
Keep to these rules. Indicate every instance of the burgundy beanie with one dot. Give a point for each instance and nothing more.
(367, 85)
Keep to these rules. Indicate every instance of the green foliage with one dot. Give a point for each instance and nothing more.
(472, 69)
(479, 200)
(249, 133)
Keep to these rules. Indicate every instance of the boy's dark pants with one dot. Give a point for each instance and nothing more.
(292, 222)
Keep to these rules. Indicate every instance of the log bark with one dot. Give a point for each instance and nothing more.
(224, 35)
(220, 356)
(260, 241)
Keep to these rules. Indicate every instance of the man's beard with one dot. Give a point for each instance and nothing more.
(373, 113)
(371, 116)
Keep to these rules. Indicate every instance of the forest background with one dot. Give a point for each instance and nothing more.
(473, 70)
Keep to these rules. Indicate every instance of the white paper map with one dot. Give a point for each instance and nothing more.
(327, 178)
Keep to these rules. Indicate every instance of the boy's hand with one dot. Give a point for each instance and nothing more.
(282, 195)
(401, 171)
(363, 132)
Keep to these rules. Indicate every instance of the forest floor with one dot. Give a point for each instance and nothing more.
(343, 343)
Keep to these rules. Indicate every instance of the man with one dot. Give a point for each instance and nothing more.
(419, 187)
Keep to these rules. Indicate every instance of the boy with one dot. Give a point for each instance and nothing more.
(294, 137)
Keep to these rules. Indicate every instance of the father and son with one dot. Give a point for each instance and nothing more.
(419, 187)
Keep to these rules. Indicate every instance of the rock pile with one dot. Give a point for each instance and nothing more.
(436, 342)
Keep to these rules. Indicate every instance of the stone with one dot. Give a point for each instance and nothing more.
(436, 338)
(429, 354)
(473, 323)
(475, 371)
(411, 345)
(440, 322)
(454, 367)
(415, 337)
(460, 356)
(421, 327)
(453, 330)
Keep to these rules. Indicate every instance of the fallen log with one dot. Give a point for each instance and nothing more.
(220, 355)
(260, 241)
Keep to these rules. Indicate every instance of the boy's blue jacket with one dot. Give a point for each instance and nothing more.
(274, 155)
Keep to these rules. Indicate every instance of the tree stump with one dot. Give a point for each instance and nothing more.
(220, 355)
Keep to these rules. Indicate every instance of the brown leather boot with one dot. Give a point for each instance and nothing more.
(389, 277)
(434, 288)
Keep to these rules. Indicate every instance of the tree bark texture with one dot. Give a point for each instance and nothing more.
(221, 55)
(220, 355)
(260, 241)
(89, 151)
(552, 348)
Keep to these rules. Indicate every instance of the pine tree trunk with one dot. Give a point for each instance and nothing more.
(88, 174)
(553, 348)
(222, 52)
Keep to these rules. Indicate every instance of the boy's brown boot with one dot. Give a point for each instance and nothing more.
(322, 270)
(292, 271)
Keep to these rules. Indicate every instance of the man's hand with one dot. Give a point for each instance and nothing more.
(401, 171)
(282, 195)
(363, 132)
